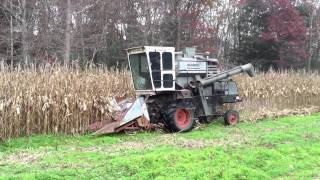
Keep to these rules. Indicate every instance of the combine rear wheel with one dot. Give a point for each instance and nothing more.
(231, 117)
(180, 118)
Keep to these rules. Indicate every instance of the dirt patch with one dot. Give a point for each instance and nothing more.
(233, 139)
(22, 157)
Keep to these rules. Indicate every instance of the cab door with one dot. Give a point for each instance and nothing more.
(168, 77)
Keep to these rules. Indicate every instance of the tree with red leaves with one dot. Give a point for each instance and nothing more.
(272, 33)
(286, 31)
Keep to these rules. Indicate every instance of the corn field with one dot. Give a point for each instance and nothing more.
(279, 93)
(58, 101)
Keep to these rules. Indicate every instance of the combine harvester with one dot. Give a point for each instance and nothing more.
(175, 89)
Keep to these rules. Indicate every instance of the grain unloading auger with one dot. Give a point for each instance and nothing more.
(175, 89)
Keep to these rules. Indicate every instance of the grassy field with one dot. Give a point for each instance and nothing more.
(286, 148)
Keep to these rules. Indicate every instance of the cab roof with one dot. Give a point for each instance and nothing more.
(141, 49)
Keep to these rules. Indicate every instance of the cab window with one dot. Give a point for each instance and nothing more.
(155, 68)
(167, 61)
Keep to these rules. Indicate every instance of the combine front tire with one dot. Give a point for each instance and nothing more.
(180, 119)
(231, 117)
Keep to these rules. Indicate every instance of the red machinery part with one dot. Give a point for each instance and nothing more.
(183, 118)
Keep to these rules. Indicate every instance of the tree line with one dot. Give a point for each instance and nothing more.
(269, 33)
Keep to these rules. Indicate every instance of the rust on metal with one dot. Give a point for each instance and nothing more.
(108, 128)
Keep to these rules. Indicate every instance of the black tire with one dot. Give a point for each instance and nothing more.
(180, 118)
(231, 117)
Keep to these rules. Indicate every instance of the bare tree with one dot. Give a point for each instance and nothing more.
(100, 30)
(24, 32)
(11, 37)
(68, 35)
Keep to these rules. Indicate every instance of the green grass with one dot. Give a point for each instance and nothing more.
(285, 148)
